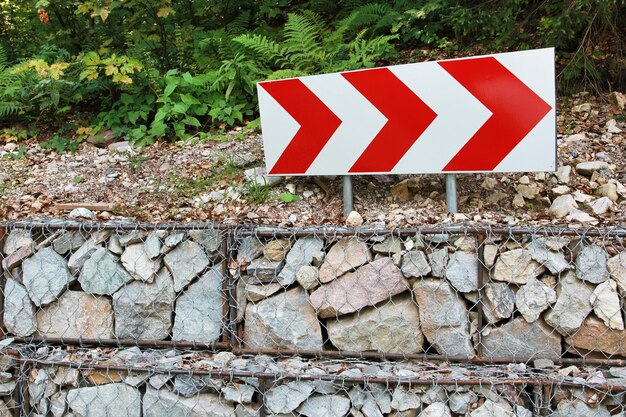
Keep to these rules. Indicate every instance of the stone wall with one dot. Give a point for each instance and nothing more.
(509, 297)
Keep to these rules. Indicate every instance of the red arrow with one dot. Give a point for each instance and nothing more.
(317, 125)
(516, 110)
(407, 118)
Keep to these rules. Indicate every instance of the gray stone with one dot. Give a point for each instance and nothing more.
(617, 269)
(300, 254)
(489, 255)
(381, 396)
(308, 277)
(171, 242)
(258, 176)
(210, 239)
(572, 305)
(134, 237)
(286, 320)
(390, 327)
(102, 274)
(58, 404)
(256, 293)
(277, 249)
(517, 267)
(601, 205)
(248, 410)
(152, 245)
(499, 301)
(19, 313)
(238, 393)
(66, 377)
(68, 242)
(249, 249)
(45, 276)
(78, 258)
(415, 264)
(562, 205)
(160, 403)
(436, 410)
(7, 388)
(185, 262)
(114, 245)
(325, 406)
(77, 314)
(554, 261)
(262, 270)
(137, 263)
(533, 298)
(589, 167)
(493, 409)
(521, 341)
(144, 310)
(460, 402)
(369, 285)
(591, 264)
(16, 239)
(462, 271)
(404, 398)
(577, 408)
(449, 332)
(562, 174)
(389, 246)
(110, 400)
(606, 304)
(286, 398)
(199, 309)
(438, 260)
(345, 255)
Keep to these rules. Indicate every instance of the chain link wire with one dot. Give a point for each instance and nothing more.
(204, 319)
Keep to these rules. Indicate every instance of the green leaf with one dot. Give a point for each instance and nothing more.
(169, 89)
(288, 197)
(189, 99)
(188, 77)
(192, 121)
(180, 108)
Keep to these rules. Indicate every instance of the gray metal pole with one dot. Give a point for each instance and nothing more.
(347, 195)
(451, 193)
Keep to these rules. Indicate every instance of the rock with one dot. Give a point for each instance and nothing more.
(404, 399)
(460, 402)
(517, 267)
(286, 398)
(554, 261)
(617, 99)
(589, 167)
(611, 126)
(577, 408)
(489, 183)
(16, 239)
(318, 258)
(300, 254)
(354, 219)
(248, 410)
(325, 406)
(493, 409)
(160, 403)
(533, 298)
(415, 264)
(78, 258)
(606, 304)
(16, 258)
(389, 246)
(345, 255)
(591, 264)
(390, 327)
(562, 174)
(144, 310)
(449, 332)
(436, 410)
(258, 292)
(258, 176)
(521, 341)
(462, 271)
(238, 393)
(152, 245)
(185, 262)
(136, 261)
(77, 315)
(199, 309)
(115, 246)
(617, 269)
(438, 260)
(562, 205)
(489, 255)
(249, 249)
(19, 313)
(277, 249)
(499, 301)
(137, 236)
(594, 336)
(286, 321)
(608, 190)
(580, 217)
(209, 239)
(102, 274)
(262, 270)
(308, 278)
(572, 305)
(110, 400)
(518, 201)
(66, 377)
(601, 205)
(45, 276)
(68, 242)
(529, 191)
(369, 285)
(82, 213)
(400, 191)
(561, 190)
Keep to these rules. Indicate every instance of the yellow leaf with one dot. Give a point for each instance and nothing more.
(165, 11)
(122, 78)
(102, 13)
(110, 70)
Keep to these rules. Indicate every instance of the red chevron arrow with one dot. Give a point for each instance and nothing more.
(407, 118)
(516, 111)
(317, 125)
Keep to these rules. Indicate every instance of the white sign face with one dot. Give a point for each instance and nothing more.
(493, 113)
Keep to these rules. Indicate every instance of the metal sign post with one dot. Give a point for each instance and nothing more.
(347, 195)
(451, 193)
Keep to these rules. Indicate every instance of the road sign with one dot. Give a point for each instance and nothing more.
(492, 113)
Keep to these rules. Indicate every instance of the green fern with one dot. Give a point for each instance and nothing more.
(265, 49)
(10, 85)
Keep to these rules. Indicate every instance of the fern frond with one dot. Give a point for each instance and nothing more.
(9, 108)
(239, 24)
(4, 61)
(369, 14)
(267, 50)
(302, 40)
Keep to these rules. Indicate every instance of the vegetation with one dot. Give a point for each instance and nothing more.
(151, 69)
